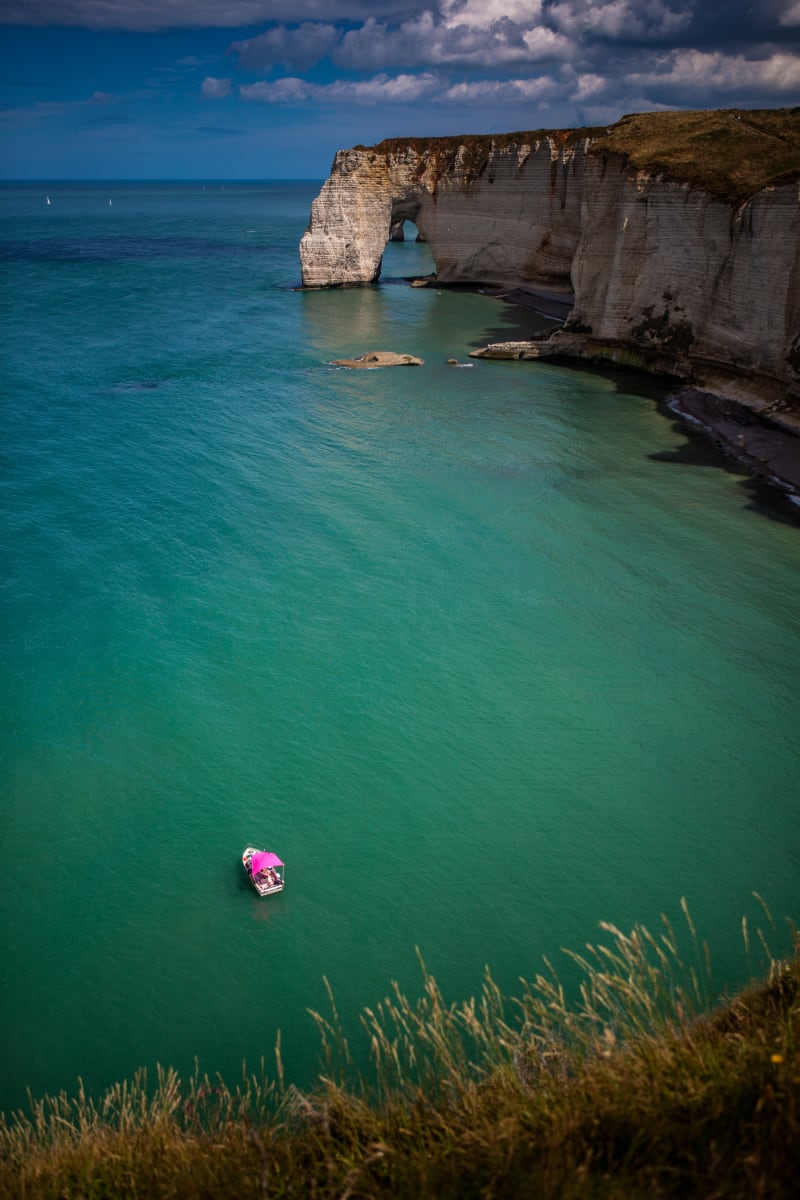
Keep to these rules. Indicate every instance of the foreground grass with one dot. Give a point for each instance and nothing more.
(640, 1088)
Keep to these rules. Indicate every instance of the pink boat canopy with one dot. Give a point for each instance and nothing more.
(262, 859)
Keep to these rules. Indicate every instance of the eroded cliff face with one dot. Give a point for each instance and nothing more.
(666, 269)
(664, 273)
(513, 218)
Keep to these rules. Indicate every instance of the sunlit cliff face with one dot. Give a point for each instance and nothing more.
(491, 214)
(660, 264)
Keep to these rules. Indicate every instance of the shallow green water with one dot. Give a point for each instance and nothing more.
(483, 653)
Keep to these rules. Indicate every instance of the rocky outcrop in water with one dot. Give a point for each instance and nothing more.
(687, 270)
(373, 359)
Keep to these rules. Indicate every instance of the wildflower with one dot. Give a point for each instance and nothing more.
(776, 1058)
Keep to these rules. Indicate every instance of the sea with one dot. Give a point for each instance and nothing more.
(487, 652)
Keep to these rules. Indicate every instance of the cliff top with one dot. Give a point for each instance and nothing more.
(475, 148)
(731, 153)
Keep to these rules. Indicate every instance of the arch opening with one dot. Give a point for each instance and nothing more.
(407, 254)
(405, 231)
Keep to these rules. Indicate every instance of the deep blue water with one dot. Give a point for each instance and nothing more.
(488, 655)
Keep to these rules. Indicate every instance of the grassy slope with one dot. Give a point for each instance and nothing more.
(632, 1091)
(729, 152)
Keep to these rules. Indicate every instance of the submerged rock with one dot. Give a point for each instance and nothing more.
(378, 358)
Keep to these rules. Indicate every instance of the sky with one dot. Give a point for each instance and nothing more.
(270, 89)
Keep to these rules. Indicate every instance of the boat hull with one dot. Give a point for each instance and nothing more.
(266, 884)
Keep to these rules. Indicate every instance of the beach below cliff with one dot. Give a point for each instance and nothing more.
(767, 446)
(553, 303)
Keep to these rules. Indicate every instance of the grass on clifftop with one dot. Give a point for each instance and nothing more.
(639, 1088)
(731, 153)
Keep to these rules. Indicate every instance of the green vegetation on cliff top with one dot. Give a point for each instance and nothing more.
(731, 153)
(640, 1087)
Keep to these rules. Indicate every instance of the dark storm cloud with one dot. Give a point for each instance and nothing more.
(590, 58)
(151, 15)
(723, 21)
(366, 34)
(699, 21)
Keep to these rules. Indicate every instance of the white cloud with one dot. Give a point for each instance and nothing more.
(213, 88)
(484, 13)
(542, 42)
(424, 40)
(588, 85)
(488, 91)
(290, 90)
(381, 89)
(702, 72)
(401, 89)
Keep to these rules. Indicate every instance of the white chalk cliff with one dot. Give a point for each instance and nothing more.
(665, 273)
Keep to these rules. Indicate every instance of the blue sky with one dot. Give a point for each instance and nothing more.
(260, 89)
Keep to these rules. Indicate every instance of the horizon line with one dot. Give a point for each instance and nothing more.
(53, 179)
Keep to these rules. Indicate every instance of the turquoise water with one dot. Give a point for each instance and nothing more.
(485, 654)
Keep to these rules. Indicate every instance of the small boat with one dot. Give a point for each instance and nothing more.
(265, 870)
(48, 200)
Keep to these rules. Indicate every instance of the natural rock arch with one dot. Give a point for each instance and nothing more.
(516, 220)
(665, 273)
